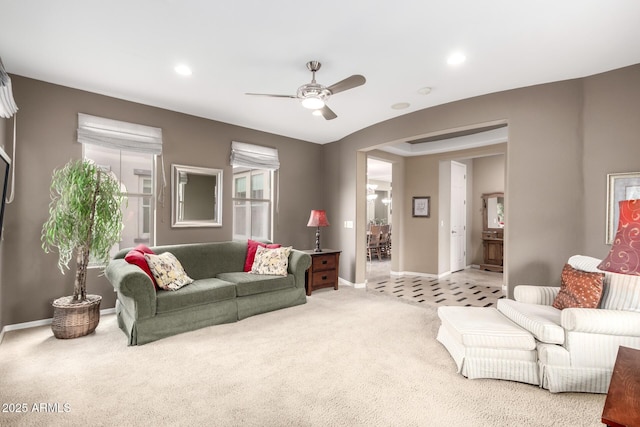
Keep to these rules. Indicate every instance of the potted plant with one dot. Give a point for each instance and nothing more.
(85, 218)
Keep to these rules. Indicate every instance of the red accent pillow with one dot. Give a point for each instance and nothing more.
(252, 247)
(136, 256)
(579, 289)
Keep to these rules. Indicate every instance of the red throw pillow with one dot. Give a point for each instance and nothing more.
(136, 256)
(252, 247)
(579, 289)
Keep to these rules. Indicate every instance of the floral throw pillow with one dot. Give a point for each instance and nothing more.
(274, 261)
(579, 289)
(167, 271)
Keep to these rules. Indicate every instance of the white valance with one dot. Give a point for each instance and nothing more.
(8, 106)
(254, 156)
(119, 135)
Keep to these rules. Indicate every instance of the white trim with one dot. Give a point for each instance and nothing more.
(414, 273)
(42, 322)
(345, 282)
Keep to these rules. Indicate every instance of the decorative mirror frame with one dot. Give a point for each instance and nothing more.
(176, 170)
(485, 215)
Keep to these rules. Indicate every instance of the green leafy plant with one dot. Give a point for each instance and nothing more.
(85, 217)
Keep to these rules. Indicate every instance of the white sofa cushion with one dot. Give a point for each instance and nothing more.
(621, 292)
(543, 321)
(585, 263)
(484, 327)
(530, 294)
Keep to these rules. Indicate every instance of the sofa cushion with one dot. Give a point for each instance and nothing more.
(252, 247)
(136, 257)
(484, 327)
(271, 261)
(205, 260)
(250, 284)
(203, 291)
(167, 271)
(543, 321)
(585, 263)
(579, 289)
(621, 292)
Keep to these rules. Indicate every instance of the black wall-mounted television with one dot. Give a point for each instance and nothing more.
(5, 165)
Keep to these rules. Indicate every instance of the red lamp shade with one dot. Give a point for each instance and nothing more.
(624, 256)
(318, 218)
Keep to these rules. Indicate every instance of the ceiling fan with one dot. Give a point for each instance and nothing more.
(314, 95)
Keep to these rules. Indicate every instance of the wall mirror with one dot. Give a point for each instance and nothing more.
(196, 195)
(493, 211)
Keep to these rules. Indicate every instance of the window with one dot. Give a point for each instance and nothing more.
(135, 171)
(253, 172)
(252, 215)
(129, 151)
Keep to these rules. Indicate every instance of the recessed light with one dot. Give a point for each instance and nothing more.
(183, 70)
(400, 106)
(456, 58)
(424, 91)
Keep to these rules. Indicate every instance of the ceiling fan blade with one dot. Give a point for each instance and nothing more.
(271, 95)
(348, 83)
(328, 113)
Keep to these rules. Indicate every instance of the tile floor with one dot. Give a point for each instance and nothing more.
(470, 287)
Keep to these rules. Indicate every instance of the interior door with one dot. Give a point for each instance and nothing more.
(458, 216)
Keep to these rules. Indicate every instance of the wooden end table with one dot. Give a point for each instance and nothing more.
(323, 272)
(622, 407)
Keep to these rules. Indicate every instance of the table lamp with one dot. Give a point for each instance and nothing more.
(624, 256)
(318, 218)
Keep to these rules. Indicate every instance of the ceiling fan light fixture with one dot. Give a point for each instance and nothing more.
(317, 113)
(313, 102)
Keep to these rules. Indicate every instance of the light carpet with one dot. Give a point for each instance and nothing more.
(346, 358)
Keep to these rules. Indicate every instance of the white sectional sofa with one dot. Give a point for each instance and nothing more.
(573, 349)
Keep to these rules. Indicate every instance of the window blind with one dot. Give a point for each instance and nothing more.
(119, 135)
(254, 156)
(8, 106)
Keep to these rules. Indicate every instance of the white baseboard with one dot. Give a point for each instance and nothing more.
(415, 273)
(43, 322)
(345, 282)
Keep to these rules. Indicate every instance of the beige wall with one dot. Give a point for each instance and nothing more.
(47, 125)
(559, 134)
(426, 241)
(611, 144)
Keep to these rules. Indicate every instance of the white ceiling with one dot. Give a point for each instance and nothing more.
(128, 49)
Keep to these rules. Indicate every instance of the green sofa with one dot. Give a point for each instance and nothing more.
(221, 292)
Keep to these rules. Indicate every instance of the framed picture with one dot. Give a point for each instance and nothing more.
(421, 206)
(620, 186)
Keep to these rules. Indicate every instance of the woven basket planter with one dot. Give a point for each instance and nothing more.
(75, 319)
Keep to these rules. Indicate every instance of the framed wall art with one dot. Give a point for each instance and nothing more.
(421, 207)
(620, 186)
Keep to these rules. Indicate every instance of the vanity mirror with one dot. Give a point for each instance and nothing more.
(492, 231)
(196, 195)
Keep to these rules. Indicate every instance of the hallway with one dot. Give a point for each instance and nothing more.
(470, 287)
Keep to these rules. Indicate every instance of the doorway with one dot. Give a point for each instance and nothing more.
(458, 243)
(379, 211)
